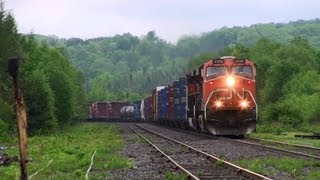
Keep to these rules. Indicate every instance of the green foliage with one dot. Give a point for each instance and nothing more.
(51, 86)
(40, 102)
(6, 112)
(288, 90)
(4, 131)
(174, 176)
(62, 88)
(128, 64)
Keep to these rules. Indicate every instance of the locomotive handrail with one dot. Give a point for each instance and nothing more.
(254, 103)
(205, 105)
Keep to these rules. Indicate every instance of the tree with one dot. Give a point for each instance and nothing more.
(40, 102)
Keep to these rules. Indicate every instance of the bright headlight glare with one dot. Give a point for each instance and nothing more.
(244, 104)
(218, 104)
(230, 81)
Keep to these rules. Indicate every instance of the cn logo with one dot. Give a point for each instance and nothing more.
(233, 92)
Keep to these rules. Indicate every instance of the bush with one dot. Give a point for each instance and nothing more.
(4, 131)
(40, 102)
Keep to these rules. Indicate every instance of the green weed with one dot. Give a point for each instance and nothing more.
(70, 150)
(288, 137)
(293, 166)
(175, 176)
(313, 175)
(219, 163)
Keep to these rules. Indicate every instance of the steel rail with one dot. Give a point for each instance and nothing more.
(288, 144)
(258, 145)
(277, 149)
(237, 169)
(190, 175)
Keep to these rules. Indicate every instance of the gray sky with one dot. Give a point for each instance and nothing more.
(169, 18)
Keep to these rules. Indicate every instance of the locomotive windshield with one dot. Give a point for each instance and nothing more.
(216, 70)
(242, 70)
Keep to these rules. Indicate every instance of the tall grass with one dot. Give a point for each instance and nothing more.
(70, 150)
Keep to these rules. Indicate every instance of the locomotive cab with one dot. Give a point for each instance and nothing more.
(225, 97)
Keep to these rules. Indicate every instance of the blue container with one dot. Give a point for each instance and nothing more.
(162, 103)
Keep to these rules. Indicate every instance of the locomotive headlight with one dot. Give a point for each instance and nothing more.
(230, 81)
(244, 104)
(218, 104)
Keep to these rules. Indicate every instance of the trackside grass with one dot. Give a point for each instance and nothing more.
(175, 176)
(70, 151)
(296, 168)
(288, 137)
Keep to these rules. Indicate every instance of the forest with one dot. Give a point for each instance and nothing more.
(137, 64)
(52, 87)
(59, 76)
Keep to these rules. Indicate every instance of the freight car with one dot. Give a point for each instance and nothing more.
(218, 97)
(116, 111)
(106, 111)
(133, 112)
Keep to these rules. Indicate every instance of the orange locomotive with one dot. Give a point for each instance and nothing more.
(222, 97)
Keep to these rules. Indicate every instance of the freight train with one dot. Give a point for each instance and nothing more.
(218, 97)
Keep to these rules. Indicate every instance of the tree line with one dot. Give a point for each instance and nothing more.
(52, 87)
(127, 67)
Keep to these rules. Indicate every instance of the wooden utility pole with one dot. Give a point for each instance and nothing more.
(13, 66)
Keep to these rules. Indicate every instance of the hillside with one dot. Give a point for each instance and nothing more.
(126, 66)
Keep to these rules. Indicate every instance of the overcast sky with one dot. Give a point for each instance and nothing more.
(169, 18)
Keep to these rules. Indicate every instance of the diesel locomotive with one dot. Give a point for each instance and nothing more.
(222, 97)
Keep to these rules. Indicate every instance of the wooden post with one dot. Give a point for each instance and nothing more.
(13, 65)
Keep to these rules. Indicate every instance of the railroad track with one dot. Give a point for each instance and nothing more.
(195, 163)
(308, 151)
(297, 150)
(234, 150)
(273, 148)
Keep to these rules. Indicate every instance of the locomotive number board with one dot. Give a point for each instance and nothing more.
(239, 61)
(218, 61)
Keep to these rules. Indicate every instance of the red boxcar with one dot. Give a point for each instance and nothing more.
(101, 110)
(148, 108)
(106, 111)
(114, 110)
